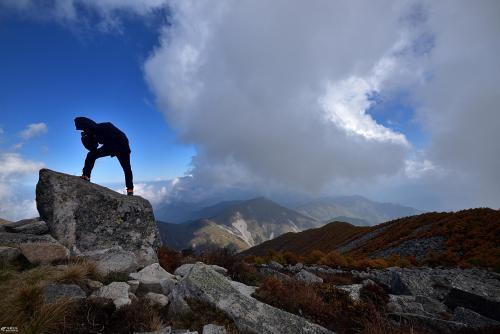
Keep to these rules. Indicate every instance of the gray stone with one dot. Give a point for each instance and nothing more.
(431, 305)
(354, 290)
(153, 278)
(206, 285)
(406, 304)
(214, 329)
(43, 252)
(275, 265)
(485, 305)
(419, 248)
(296, 268)
(29, 226)
(183, 331)
(84, 216)
(433, 325)
(134, 285)
(53, 292)
(118, 292)
(184, 269)
(92, 285)
(8, 254)
(15, 239)
(266, 271)
(308, 277)
(472, 319)
(114, 259)
(157, 298)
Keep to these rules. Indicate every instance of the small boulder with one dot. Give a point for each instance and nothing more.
(308, 277)
(53, 292)
(157, 298)
(275, 265)
(114, 259)
(28, 226)
(405, 304)
(8, 254)
(118, 292)
(153, 278)
(43, 252)
(214, 329)
(354, 290)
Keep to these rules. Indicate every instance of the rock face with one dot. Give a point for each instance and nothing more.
(84, 216)
(29, 226)
(53, 292)
(114, 259)
(206, 285)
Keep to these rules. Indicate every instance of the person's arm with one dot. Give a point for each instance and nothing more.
(89, 141)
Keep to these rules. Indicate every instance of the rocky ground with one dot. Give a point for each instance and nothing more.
(88, 265)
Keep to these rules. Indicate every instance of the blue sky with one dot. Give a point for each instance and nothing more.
(51, 74)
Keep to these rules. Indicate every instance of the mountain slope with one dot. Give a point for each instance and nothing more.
(463, 237)
(241, 223)
(325, 238)
(327, 209)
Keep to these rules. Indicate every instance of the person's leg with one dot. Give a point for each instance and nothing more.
(92, 156)
(124, 159)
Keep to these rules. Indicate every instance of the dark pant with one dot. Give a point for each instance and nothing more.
(123, 158)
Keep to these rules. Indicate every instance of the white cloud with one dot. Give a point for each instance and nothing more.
(34, 130)
(250, 85)
(13, 169)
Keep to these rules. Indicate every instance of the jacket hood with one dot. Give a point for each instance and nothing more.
(84, 123)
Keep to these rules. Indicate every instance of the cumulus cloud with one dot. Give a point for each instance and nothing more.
(33, 130)
(13, 169)
(278, 93)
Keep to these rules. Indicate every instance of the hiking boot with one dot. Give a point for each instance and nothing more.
(84, 177)
(130, 192)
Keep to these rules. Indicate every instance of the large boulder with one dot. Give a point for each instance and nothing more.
(205, 285)
(84, 216)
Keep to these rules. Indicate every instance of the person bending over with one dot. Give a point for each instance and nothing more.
(114, 143)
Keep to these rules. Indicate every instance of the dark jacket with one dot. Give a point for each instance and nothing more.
(111, 138)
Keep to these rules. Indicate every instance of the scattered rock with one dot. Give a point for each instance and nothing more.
(28, 226)
(214, 329)
(419, 248)
(8, 254)
(296, 268)
(308, 277)
(84, 216)
(275, 265)
(406, 304)
(43, 252)
(354, 290)
(431, 305)
(53, 292)
(266, 271)
(472, 319)
(92, 285)
(118, 292)
(154, 278)
(157, 298)
(206, 285)
(114, 259)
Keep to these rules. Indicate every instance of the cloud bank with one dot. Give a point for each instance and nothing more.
(278, 94)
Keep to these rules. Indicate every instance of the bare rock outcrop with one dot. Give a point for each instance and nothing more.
(84, 216)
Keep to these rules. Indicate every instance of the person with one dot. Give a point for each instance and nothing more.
(114, 143)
